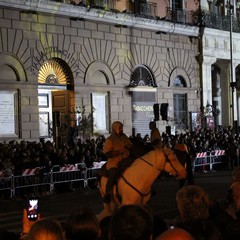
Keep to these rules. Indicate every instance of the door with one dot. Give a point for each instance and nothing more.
(60, 106)
(61, 116)
(45, 113)
(180, 110)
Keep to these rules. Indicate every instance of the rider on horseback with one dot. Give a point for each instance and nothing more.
(116, 148)
(155, 136)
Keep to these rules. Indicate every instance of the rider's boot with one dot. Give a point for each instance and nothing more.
(109, 188)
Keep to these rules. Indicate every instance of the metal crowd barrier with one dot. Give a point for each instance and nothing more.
(210, 158)
(32, 180)
(92, 173)
(6, 183)
(68, 173)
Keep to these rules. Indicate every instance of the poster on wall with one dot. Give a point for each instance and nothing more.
(44, 124)
(8, 113)
(196, 122)
(99, 113)
(209, 121)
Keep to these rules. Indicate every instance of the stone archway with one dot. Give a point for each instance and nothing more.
(11, 68)
(99, 73)
(179, 72)
(56, 99)
(55, 72)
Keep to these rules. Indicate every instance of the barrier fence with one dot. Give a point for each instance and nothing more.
(34, 179)
(208, 159)
(78, 173)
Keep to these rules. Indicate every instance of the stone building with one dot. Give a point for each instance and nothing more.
(115, 59)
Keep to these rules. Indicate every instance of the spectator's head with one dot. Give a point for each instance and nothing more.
(192, 202)
(152, 125)
(82, 224)
(46, 229)
(131, 222)
(175, 234)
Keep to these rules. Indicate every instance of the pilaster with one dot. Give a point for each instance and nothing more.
(207, 79)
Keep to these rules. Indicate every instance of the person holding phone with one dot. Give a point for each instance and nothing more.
(30, 216)
(32, 209)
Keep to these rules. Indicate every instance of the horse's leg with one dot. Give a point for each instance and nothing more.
(106, 206)
(105, 212)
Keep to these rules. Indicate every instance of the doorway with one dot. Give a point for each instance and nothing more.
(55, 78)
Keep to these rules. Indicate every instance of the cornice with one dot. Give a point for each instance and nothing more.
(100, 15)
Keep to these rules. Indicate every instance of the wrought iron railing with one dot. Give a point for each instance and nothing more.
(221, 22)
(149, 10)
(145, 9)
(179, 16)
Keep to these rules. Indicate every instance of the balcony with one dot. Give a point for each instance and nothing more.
(211, 20)
(127, 13)
(142, 9)
(180, 16)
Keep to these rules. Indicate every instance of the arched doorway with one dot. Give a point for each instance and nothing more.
(143, 91)
(55, 99)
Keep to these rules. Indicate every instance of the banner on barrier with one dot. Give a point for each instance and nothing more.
(212, 153)
(30, 171)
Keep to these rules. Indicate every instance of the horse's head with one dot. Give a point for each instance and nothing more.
(173, 166)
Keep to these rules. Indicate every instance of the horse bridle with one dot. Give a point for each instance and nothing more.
(166, 160)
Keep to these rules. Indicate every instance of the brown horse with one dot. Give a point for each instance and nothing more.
(134, 185)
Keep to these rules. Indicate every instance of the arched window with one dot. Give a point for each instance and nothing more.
(142, 76)
(179, 81)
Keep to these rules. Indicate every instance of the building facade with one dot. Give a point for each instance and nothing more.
(115, 60)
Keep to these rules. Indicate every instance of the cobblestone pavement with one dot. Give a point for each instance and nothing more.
(61, 203)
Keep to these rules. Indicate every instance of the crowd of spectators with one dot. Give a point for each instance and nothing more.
(16, 156)
(199, 217)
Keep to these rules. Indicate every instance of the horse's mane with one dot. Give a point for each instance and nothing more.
(136, 151)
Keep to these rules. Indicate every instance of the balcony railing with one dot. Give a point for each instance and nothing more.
(180, 16)
(211, 20)
(145, 9)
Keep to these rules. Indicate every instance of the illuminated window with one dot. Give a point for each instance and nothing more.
(142, 76)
